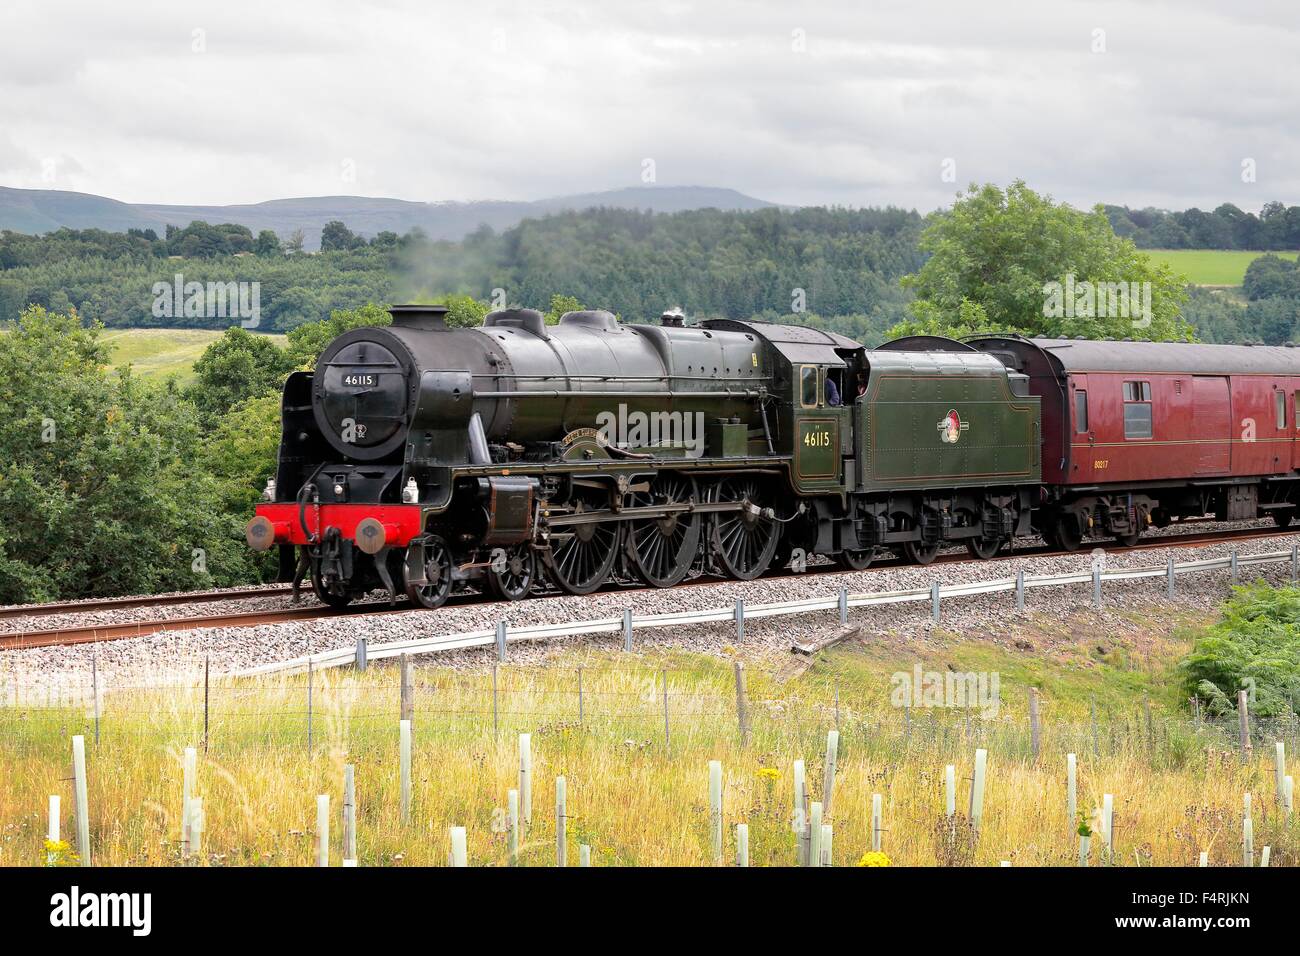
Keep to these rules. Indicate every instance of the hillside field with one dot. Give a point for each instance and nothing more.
(162, 352)
(1212, 267)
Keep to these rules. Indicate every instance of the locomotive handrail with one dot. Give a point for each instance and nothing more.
(843, 600)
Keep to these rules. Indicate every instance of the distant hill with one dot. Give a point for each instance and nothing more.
(36, 211)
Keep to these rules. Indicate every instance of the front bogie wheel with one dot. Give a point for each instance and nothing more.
(511, 572)
(427, 572)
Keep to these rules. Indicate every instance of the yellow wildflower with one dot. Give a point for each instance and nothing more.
(874, 858)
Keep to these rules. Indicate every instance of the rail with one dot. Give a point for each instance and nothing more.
(627, 623)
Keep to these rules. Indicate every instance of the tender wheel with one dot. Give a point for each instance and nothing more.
(336, 601)
(1066, 533)
(984, 549)
(919, 553)
(1282, 517)
(432, 587)
(662, 550)
(581, 563)
(512, 579)
(855, 560)
(1128, 540)
(744, 541)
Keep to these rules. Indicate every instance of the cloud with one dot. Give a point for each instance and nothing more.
(849, 102)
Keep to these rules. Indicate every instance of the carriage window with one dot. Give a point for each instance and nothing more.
(1080, 410)
(1279, 402)
(808, 386)
(1137, 409)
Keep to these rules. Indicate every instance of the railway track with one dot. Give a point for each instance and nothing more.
(91, 633)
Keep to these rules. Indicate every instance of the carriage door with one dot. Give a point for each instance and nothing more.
(1081, 435)
(1212, 422)
(1295, 431)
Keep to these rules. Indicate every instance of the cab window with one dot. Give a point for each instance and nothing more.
(1279, 403)
(1080, 410)
(808, 386)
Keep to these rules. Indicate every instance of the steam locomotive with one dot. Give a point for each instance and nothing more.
(421, 458)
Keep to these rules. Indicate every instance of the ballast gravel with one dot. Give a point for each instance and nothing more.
(179, 656)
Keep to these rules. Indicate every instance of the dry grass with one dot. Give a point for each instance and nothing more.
(635, 800)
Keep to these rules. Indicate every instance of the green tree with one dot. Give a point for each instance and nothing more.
(99, 493)
(1015, 261)
(237, 366)
(561, 304)
(464, 311)
(306, 342)
(336, 237)
(268, 243)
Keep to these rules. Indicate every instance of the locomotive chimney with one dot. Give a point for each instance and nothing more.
(426, 317)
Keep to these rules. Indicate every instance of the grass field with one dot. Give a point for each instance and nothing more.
(162, 352)
(1212, 267)
(637, 791)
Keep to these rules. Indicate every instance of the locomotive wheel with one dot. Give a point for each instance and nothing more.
(983, 549)
(514, 580)
(744, 541)
(436, 588)
(856, 560)
(662, 550)
(582, 563)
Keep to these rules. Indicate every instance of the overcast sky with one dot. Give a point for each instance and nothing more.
(856, 103)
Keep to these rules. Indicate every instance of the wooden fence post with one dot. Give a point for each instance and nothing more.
(323, 829)
(715, 809)
(742, 704)
(79, 788)
(828, 782)
(404, 763)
